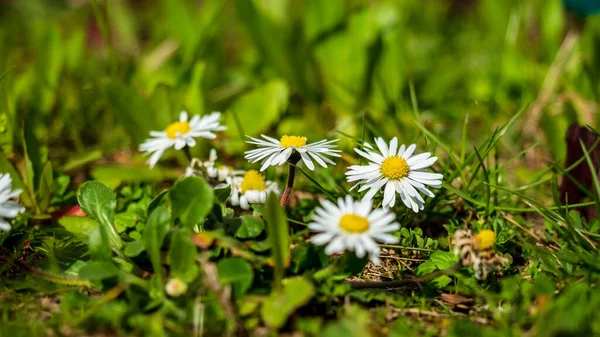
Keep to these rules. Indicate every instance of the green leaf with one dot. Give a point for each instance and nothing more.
(45, 187)
(237, 272)
(134, 248)
(280, 305)
(81, 227)
(28, 173)
(99, 245)
(98, 270)
(251, 227)
(442, 281)
(98, 202)
(156, 201)
(191, 200)
(322, 16)
(425, 268)
(81, 159)
(156, 229)
(222, 194)
(443, 260)
(277, 231)
(182, 256)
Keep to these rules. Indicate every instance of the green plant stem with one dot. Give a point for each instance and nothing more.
(403, 282)
(188, 154)
(47, 276)
(331, 269)
(294, 158)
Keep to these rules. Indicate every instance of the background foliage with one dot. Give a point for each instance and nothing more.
(490, 86)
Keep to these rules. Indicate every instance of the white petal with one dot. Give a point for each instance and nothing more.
(183, 116)
(393, 145)
(307, 161)
(409, 151)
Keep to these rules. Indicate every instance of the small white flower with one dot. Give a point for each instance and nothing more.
(176, 287)
(353, 225)
(8, 208)
(396, 170)
(210, 169)
(180, 134)
(275, 152)
(250, 189)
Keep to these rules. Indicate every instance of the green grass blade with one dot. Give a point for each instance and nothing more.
(277, 232)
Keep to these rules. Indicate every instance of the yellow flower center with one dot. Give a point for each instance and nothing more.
(353, 223)
(177, 129)
(292, 141)
(394, 168)
(253, 181)
(486, 239)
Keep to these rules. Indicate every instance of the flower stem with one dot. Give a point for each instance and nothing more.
(332, 268)
(47, 276)
(294, 158)
(288, 187)
(188, 154)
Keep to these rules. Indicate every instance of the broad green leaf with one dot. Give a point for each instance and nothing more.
(191, 200)
(45, 188)
(442, 281)
(80, 226)
(277, 231)
(183, 255)
(98, 270)
(156, 229)
(237, 272)
(425, 268)
(295, 293)
(251, 227)
(222, 194)
(134, 248)
(98, 202)
(443, 260)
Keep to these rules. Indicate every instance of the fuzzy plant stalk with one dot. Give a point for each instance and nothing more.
(188, 155)
(292, 161)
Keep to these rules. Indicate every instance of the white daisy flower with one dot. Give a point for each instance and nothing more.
(353, 225)
(8, 208)
(396, 170)
(180, 134)
(275, 152)
(250, 189)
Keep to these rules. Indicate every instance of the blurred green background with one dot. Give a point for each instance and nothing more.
(309, 67)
